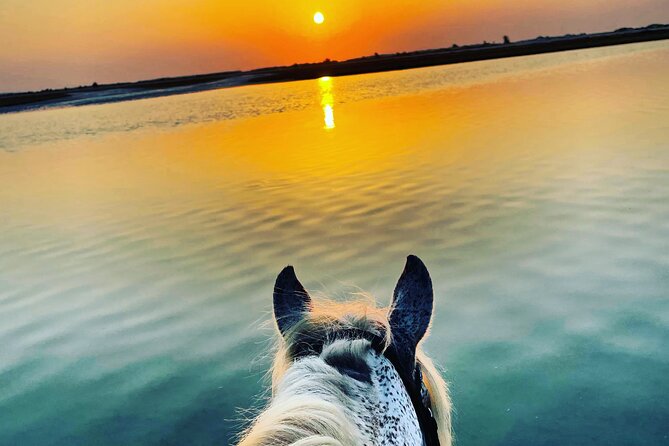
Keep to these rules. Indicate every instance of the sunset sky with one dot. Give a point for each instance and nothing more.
(60, 43)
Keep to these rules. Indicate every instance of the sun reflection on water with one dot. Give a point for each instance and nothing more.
(327, 101)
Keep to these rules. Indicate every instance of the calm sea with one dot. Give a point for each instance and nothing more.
(139, 243)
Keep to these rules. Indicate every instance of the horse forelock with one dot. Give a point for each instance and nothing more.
(324, 324)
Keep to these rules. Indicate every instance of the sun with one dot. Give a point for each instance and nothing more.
(319, 18)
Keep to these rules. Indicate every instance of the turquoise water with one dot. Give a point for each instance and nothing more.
(140, 242)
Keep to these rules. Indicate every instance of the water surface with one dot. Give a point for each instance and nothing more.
(140, 242)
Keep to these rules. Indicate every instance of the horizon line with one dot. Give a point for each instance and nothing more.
(237, 72)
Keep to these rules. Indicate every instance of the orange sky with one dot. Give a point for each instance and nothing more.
(56, 43)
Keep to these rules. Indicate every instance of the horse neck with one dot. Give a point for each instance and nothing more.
(331, 397)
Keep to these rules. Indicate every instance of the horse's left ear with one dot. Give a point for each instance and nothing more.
(411, 309)
(291, 300)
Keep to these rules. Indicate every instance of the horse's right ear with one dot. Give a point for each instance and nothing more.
(291, 300)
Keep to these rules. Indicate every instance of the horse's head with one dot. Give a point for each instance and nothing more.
(352, 373)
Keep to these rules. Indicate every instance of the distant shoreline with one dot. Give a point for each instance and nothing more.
(97, 94)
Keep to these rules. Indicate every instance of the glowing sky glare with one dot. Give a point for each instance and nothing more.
(129, 40)
(319, 18)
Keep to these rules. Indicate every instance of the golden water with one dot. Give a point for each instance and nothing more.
(140, 241)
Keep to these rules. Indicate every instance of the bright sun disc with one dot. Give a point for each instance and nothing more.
(319, 18)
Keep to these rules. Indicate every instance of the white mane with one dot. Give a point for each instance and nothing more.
(314, 404)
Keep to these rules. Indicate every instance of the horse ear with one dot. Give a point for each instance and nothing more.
(411, 309)
(291, 300)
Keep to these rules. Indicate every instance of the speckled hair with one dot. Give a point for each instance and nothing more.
(302, 420)
(319, 349)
